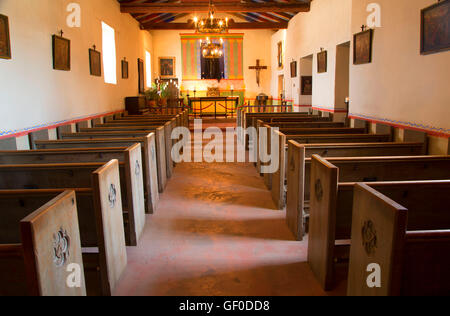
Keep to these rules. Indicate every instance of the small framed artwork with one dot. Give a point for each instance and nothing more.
(61, 53)
(167, 67)
(294, 69)
(5, 44)
(280, 55)
(124, 69)
(95, 62)
(435, 28)
(362, 47)
(322, 62)
(141, 76)
(307, 85)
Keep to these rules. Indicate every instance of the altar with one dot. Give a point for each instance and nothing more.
(214, 106)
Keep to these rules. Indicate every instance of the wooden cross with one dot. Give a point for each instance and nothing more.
(258, 69)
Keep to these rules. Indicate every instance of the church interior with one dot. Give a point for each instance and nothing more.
(224, 148)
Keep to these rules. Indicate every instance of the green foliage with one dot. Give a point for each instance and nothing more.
(152, 94)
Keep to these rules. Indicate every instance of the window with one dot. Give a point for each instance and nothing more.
(109, 54)
(148, 69)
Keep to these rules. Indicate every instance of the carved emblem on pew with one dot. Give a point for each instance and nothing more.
(112, 196)
(369, 238)
(319, 190)
(137, 168)
(61, 247)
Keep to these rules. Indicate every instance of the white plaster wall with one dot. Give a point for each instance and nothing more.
(32, 93)
(400, 84)
(256, 46)
(325, 26)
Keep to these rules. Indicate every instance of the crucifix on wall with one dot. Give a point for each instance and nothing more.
(258, 69)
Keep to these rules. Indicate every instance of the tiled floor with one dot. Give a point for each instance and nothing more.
(216, 232)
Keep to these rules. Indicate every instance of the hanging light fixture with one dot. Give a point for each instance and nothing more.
(211, 50)
(211, 24)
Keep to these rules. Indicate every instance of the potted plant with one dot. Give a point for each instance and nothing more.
(164, 94)
(152, 96)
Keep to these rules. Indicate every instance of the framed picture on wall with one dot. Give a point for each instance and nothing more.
(435, 28)
(307, 85)
(294, 69)
(61, 53)
(95, 62)
(5, 44)
(124, 69)
(362, 47)
(167, 67)
(141, 76)
(322, 62)
(280, 55)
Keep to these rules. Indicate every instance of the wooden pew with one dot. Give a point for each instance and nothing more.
(298, 171)
(158, 164)
(168, 127)
(81, 155)
(405, 229)
(277, 180)
(148, 143)
(30, 261)
(288, 125)
(180, 121)
(70, 175)
(101, 226)
(332, 182)
(250, 120)
(184, 117)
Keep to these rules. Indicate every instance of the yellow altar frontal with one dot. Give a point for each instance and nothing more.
(214, 106)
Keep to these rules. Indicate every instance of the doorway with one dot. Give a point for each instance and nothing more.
(342, 82)
(306, 83)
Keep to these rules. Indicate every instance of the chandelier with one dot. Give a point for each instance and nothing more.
(211, 50)
(211, 24)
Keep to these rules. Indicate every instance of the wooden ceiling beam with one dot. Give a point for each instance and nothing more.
(232, 26)
(220, 7)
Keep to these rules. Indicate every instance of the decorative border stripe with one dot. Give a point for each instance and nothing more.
(26, 131)
(326, 109)
(435, 131)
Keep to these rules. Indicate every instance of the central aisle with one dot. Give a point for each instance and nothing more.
(216, 232)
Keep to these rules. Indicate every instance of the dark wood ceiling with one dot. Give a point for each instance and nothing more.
(257, 14)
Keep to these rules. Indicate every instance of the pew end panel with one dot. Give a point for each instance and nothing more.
(134, 177)
(168, 147)
(422, 268)
(278, 177)
(51, 242)
(378, 230)
(260, 144)
(323, 191)
(110, 226)
(295, 193)
(173, 125)
(152, 173)
(161, 156)
(268, 148)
